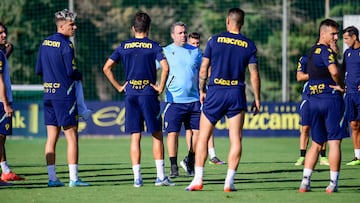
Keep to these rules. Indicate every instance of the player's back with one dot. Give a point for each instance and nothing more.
(138, 56)
(230, 54)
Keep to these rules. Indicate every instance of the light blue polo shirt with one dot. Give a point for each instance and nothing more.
(182, 85)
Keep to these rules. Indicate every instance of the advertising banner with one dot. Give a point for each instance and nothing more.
(108, 119)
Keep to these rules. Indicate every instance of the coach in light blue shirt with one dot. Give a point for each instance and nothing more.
(182, 83)
(182, 92)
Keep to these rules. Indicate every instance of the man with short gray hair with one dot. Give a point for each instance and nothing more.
(182, 95)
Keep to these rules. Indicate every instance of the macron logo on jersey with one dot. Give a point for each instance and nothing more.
(132, 45)
(228, 40)
(50, 43)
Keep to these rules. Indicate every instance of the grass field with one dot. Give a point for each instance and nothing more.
(266, 174)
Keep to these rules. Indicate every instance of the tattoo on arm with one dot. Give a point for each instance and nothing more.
(202, 84)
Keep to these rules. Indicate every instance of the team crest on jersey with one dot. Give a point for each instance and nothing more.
(348, 55)
(317, 51)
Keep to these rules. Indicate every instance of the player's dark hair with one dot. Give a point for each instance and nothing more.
(352, 30)
(141, 22)
(328, 23)
(237, 15)
(3, 25)
(194, 35)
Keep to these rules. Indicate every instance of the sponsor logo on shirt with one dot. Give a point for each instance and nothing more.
(221, 81)
(139, 84)
(228, 40)
(51, 43)
(143, 45)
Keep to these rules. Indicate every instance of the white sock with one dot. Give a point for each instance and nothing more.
(136, 171)
(212, 153)
(307, 176)
(51, 169)
(160, 169)
(73, 172)
(199, 173)
(357, 153)
(230, 176)
(5, 167)
(334, 177)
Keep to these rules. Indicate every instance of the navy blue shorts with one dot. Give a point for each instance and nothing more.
(224, 101)
(176, 114)
(5, 122)
(60, 112)
(305, 113)
(327, 118)
(140, 109)
(352, 103)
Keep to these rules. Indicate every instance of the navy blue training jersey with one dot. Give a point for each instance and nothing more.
(5, 71)
(56, 64)
(302, 67)
(320, 57)
(229, 55)
(352, 66)
(138, 56)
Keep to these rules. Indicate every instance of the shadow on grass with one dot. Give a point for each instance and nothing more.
(113, 174)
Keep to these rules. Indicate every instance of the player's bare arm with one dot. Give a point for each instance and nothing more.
(301, 76)
(256, 85)
(336, 77)
(107, 69)
(164, 75)
(203, 75)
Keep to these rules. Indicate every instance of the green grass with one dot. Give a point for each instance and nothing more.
(266, 174)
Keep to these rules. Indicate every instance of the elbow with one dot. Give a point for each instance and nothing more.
(106, 70)
(165, 70)
(335, 75)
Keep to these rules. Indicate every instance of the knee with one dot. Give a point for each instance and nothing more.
(355, 126)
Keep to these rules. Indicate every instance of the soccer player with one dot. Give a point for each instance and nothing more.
(182, 94)
(351, 64)
(326, 106)
(228, 54)
(139, 55)
(302, 75)
(194, 39)
(56, 64)
(6, 111)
